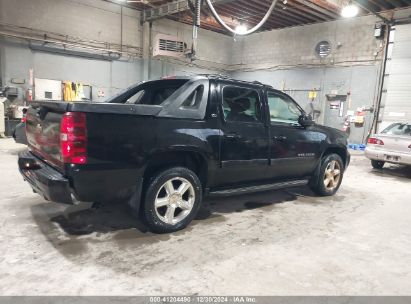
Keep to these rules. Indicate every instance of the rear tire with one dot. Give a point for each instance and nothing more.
(330, 176)
(172, 200)
(377, 164)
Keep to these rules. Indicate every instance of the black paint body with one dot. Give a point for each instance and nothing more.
(124, 148)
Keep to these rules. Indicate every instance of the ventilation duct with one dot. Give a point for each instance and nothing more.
(169, 46)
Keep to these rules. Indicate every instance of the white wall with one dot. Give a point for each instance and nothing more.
(352, 42)
(86, 19)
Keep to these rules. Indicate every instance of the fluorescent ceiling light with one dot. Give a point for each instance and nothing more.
(349, 11)
(241, 29)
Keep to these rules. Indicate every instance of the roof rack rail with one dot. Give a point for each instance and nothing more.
(216, 75)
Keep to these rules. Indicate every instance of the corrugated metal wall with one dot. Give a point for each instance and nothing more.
(396, 101)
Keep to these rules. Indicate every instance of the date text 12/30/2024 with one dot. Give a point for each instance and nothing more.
(203, 299)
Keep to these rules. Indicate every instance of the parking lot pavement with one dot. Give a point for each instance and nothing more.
(274, 243)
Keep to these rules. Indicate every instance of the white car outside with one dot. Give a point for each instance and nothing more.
(392, 145)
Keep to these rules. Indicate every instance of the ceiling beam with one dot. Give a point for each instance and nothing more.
(280, 12)
(235, 13)
(259, 13)
(293, 12)
(318, 8)
(170, 8)
(367, 5)
(294, 16)
(186, 19)
(305, 10)
(383, 5)
(210, 22)
(364, 4)
(396, 3)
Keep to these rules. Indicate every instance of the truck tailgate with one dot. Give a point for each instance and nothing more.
(43, 131)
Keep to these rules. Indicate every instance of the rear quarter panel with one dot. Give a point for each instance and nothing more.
(120, 146)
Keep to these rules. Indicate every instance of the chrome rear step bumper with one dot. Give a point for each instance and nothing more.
(44, 179)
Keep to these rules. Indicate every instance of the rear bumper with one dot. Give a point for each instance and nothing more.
(45, 180)
(80, 184)
(19, 134)
(388, 156)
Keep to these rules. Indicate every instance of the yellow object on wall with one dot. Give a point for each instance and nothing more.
(359, 119)
(312, 95)
(67, 91)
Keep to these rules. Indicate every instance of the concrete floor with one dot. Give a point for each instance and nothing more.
(275, 243)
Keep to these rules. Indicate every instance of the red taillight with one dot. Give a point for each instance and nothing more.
(73, 138)
(375, 141)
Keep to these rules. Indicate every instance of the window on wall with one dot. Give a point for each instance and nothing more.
(241, 104)
(282, 109)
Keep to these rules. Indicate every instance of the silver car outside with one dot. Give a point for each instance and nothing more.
(392, 145)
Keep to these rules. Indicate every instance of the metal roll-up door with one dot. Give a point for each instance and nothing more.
(396, 99)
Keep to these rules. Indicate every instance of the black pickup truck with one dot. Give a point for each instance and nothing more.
(163, 145)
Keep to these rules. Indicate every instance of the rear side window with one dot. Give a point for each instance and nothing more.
(177, 98)
(193, 101)
(154, 92)
(135, 99)
(241, 104)
(398, 129)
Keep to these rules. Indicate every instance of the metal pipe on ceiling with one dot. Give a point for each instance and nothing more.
(196, 25)
(248, 32)
(67, 44)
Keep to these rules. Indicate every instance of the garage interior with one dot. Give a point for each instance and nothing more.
(352, 73)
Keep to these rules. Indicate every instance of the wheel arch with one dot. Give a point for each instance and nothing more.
(340, 151)
(188, 158)
(165, 159)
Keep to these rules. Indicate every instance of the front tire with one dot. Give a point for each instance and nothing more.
(172, 200)
(377, 164)
(329, 177)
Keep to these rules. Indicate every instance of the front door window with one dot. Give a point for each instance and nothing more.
(282, 109)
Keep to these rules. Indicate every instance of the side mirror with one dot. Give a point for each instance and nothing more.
(306, 120)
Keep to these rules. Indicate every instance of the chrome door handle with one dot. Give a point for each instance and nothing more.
(233, 136)
(280, 138)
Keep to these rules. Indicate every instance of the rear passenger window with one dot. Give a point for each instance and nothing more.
(135, 99)
(155, 92)
(241, 104)
(193, 101)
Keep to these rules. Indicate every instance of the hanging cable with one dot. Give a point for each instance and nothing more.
(196, 25)
(255, 28)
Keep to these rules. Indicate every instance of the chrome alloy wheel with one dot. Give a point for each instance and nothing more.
(332, 175)
(175, 200)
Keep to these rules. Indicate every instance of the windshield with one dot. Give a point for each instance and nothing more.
(398, 129)
(149, 93)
